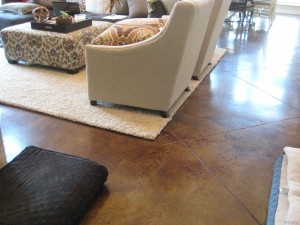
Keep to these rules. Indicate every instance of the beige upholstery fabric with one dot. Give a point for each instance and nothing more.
(212, 34)
(151, 74)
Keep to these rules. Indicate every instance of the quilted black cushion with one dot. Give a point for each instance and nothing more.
(41, 187)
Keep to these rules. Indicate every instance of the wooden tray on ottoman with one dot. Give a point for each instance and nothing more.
(52, 26)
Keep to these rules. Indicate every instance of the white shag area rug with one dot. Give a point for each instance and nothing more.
(54, 92)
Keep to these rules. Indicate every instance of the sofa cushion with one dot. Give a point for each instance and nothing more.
(130, 31)
(98, 6)
(156, 9)
(19, 7)
(137, 8)
(46, 3)
(120, 7)
(9, 19)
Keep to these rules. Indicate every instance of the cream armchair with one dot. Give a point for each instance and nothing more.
(151, 74)
(212, 35)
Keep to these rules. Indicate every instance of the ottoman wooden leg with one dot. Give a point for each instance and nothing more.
(11, 61)
(92, 102)
(72, 71)
(164, 114)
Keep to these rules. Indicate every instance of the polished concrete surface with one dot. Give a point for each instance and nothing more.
(213, 163)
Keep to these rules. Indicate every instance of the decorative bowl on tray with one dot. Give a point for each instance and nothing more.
(64, 18)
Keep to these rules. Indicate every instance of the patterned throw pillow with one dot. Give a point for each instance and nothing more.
(137, 8)
(130, 31)
(46, 3)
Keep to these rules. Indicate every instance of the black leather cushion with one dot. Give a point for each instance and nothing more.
(41, 187)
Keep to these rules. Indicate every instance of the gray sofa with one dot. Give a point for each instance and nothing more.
(9, 18)
(138, 9)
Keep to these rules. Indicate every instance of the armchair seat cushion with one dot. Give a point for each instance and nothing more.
(130, 31)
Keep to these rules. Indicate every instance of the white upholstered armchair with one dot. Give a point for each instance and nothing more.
(153, 73)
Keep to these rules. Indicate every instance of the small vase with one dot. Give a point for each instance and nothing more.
(64, 21)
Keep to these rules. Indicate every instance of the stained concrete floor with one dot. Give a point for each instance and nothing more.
(213, 163)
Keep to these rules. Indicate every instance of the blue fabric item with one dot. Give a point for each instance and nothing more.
(273, 199)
